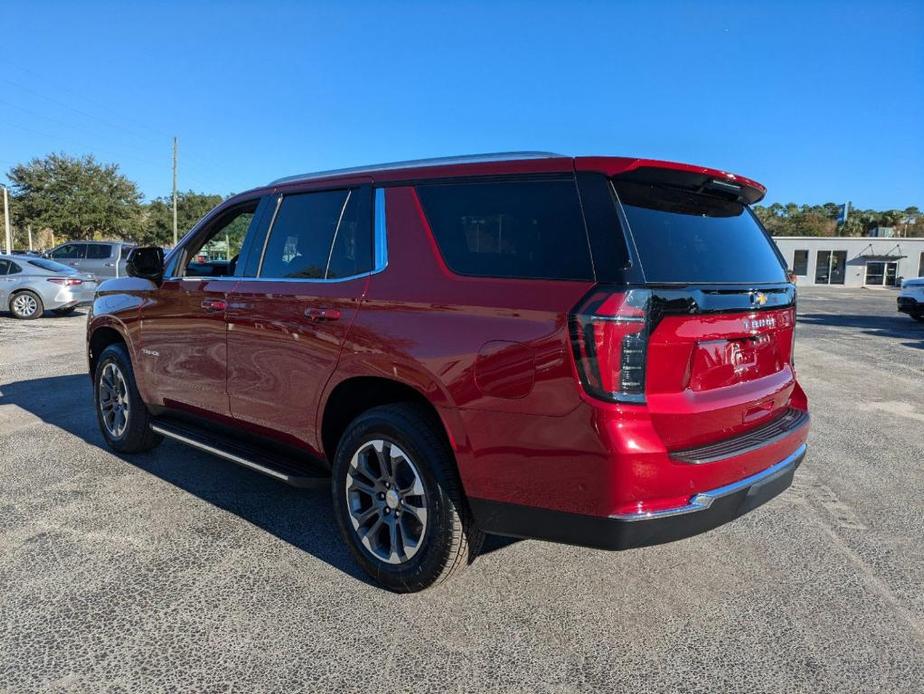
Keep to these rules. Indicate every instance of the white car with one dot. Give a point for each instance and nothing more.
(911, 298)
(29, 286)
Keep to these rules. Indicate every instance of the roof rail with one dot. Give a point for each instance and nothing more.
(418, 163)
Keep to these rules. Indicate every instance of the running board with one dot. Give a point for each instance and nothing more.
(297, 472)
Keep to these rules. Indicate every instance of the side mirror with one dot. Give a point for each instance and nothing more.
(146, 262)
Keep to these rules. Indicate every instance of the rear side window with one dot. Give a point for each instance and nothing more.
(324, 235)
(520, 229)
(300, 238)
(98, 251)
(351, 253)
(687, 237)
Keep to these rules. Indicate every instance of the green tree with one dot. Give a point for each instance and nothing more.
(158, 215)
(75, 197)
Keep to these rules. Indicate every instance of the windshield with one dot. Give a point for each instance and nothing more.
(51, 266)
(686, 237)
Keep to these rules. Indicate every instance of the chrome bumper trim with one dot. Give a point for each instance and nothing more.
(703, 500)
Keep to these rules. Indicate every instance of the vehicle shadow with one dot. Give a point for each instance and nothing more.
(897, 326)
(301, 517)
(51, 314)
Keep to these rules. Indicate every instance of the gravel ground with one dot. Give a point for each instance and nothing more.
(175, 570)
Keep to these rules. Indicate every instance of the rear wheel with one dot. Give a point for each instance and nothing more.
(123, 418)
(919, 317)
(398, 501)
(26, 305)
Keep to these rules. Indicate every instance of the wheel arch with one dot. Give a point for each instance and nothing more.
(99, 339)
(354, 395)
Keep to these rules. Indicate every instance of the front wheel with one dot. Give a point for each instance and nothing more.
(398, 500)
(123, 418)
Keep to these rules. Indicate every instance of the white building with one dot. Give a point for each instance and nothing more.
(859, 261)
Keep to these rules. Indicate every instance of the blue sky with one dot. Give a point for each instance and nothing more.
(819, 101)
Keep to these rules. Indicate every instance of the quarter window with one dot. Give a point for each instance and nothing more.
(522, 229)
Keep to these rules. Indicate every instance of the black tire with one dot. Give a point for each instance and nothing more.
(65, 311)
(21, 311)
(919, 318)
(136, 436)
(449, 539)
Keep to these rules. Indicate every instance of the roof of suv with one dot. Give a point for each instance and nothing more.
(501, 163)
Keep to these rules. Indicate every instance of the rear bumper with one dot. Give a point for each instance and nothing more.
(702, 512)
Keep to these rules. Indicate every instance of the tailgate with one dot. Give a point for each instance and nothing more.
(713, 376)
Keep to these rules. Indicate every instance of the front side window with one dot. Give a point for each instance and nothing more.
(529, 229)
(70, 251)
(323, 235)
(215, 254)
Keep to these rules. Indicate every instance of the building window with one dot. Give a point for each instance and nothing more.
(921, 265)
(830, 267)
(800, 263)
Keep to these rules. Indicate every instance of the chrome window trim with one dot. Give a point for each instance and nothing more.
(380, 233)
(703, 500)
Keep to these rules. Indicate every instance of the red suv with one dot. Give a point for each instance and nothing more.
(591, 350)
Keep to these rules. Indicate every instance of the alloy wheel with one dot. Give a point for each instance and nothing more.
(386, 501)
(25, 305)
(113, 400)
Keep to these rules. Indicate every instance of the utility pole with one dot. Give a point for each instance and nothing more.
(174, 193)
(6, 217)
(29, 232)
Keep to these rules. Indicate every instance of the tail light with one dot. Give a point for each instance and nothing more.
(66, 281)
(609, 335)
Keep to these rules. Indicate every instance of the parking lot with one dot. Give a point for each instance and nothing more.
(176, 570)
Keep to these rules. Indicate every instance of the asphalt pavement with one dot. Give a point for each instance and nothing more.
(174, 570)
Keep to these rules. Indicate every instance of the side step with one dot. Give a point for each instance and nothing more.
(298, 472)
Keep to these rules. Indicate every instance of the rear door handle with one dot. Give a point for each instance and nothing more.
(322, 314)
(214, 305)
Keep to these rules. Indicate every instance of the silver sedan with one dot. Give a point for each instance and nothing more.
(29, 286)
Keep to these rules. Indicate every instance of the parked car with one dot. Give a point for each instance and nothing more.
(29, 286)
(103, 259)
(911, 298)
(591, 350)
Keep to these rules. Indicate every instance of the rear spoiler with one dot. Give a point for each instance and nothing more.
(697, 178)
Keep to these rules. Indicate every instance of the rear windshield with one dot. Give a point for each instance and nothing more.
(530, 229)
(51, 266)
(686, 237)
